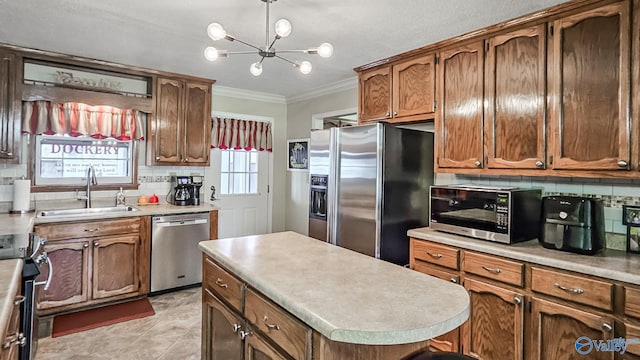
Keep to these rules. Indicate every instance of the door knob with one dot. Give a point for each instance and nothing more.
(539, 164)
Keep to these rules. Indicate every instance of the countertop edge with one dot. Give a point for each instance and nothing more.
(7, 302)
(330, 331)
(513, 252)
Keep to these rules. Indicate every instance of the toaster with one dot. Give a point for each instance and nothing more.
(573, 224)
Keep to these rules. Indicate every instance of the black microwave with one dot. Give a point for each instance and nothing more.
(502, 214)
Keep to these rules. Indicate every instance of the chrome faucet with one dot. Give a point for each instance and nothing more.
(91, 180)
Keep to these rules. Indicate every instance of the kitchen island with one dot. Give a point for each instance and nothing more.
(288, 295)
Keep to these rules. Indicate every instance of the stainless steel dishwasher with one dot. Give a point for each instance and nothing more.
(176, 260)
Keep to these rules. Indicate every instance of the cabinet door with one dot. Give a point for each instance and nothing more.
(414, 87)
(220, 327)
(590, 88)
(115, 265)
(70, 279)
(557, 329)
(631, 331)
(515, 98)
(459, 121)
(256, 348)
(495, 327)
(197, 124)
(375, 95)
(9, 106)
(166, 136)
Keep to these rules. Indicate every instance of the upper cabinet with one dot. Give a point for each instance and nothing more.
(180, 130)
(10, 105)
(515, 99)
(399, 93)
(459, 121)
(589, 85)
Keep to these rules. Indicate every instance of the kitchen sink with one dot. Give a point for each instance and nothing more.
(86, 211)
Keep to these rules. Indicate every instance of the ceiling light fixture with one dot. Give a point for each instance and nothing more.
(282, 29)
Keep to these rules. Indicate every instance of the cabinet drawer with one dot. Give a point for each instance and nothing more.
(88, 228)
(493, 267)
(285, 330)
(222, 283)
(436, 254)
(571, 287)
(433, 271)
(632, 302)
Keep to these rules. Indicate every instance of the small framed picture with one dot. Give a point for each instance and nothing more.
(633, 239)
(631, 215)
(298, 152)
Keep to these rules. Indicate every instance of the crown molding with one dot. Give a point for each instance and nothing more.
(248, 94)
(346, 84)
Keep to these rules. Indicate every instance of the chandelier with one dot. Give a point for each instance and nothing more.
(282, 30)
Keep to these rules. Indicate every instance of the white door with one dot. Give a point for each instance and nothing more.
(241, 180)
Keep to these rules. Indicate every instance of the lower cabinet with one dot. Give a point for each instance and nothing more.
(220, 330)
(256, 348)
(495, 329)
(105, 266)
(13, 339)
(558, 329)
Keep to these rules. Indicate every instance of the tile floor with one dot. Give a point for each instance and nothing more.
(173, 333)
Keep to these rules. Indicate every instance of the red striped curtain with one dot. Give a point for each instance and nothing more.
(241, 134)
(75, 119)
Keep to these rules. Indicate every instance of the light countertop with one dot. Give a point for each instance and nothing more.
(10, 277)
(23, 224)
(609, 264)
(344, 295)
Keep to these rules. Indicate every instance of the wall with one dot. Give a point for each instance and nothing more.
(299, 116)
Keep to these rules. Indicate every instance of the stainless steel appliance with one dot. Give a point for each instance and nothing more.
(180, 194)
(194, 188)
(31, 249)
(378, 179)
(175, 258)
(573, 224)
(502, 214)
(318, 207)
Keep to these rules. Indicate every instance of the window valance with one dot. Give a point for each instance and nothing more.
(241, 134)
(76, 119)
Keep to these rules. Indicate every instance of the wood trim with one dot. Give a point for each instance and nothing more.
(635, 86)
(144, 255)
(612, 174)
(325, 349)
(213, 225)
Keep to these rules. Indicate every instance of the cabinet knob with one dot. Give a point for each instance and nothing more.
(96, 244)
(388, 114)
(157, 158)
(244, 334)
(517, 301)
(453, 280)
(395, 113)
(539, 164)
(236, 327)
(478, 163)
(623, 164)
(186, 159)
(607, 327)
(85, 245)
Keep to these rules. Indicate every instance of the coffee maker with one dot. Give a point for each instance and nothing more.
(194, 189)
(181, 190)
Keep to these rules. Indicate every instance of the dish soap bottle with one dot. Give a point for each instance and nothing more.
(120, 199)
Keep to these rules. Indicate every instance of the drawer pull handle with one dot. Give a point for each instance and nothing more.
(91, 230)
(576, 291)
(236, 327)
(220, 283)
(606, 327)
(454, 280)
(19, 300)
(244, 334)
(270, 326)
(17, 339)
(491, 270)
(435, 256)
(517, 301)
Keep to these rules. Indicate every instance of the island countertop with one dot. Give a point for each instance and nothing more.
(345, 296)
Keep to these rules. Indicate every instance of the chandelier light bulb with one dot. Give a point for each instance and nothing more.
(211, 53)
(325, 50)
(255, 69)
(216, 31)
(305, 67)
(283, 28)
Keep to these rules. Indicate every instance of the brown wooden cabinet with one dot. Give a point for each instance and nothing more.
(400, 92)
(109, 264)
(256, 348)
(10, 105)
(11, 337)
(589, 82)
(459, 122)
(180, 130)
(556, 329)
(495, 329)
(220, 330)
(515, 94)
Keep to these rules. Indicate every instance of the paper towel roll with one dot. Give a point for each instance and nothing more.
(21, 195)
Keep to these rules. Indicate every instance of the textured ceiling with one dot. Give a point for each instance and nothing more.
(171, 35)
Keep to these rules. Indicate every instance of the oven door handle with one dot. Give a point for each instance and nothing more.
(39, 260)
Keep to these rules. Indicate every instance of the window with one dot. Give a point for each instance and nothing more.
(239, 172)
(63, 160)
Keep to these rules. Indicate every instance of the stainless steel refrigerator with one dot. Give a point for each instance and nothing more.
(369, 185)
